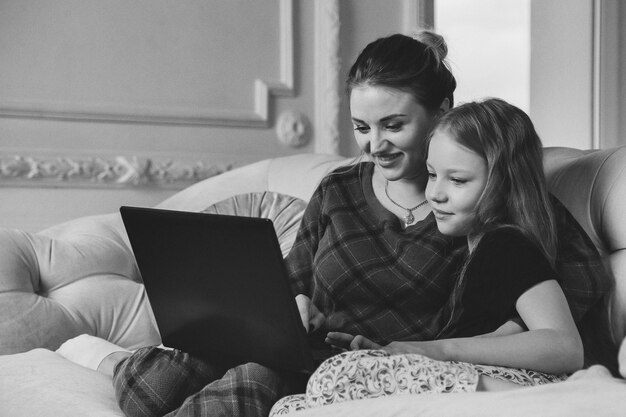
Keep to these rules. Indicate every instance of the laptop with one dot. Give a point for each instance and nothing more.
(219, 289)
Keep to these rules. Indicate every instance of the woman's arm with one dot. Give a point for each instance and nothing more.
(299, 260)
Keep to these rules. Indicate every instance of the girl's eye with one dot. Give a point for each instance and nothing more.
(361, 129)
(432, 176)
(458, 181)
(394, 127)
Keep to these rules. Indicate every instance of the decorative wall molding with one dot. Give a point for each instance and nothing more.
(113, 172)
(418, 14)
(606, 105)
(327, 75)
(258, 117)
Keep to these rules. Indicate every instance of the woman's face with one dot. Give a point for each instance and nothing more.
(457, 177)
(391, 126)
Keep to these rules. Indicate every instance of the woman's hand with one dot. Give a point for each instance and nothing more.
(347, 341)
(311, 317)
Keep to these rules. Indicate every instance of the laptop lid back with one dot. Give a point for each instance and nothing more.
(218, 287)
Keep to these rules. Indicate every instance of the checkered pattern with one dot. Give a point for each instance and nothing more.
(365, 272)
(584, 277)
(371, 277)
(160, 382)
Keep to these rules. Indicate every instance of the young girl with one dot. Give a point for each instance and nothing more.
(486, 183)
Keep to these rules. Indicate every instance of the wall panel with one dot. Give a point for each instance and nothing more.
(116, 102)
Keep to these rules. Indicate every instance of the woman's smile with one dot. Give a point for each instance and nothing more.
(386, 159)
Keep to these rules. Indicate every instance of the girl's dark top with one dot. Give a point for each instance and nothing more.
(370, 276)
(504, 265)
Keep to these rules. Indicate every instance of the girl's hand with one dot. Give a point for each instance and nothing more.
(432, 349)
(347, 341)
(311, 317)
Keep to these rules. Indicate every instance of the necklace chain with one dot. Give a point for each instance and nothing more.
(409, 218)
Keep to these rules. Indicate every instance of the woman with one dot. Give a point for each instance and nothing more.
(366, 260)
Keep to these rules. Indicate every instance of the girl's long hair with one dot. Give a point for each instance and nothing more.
(515, 194)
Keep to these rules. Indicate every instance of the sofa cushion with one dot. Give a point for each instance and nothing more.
(81, 277)
(285, 212)
(52, 289)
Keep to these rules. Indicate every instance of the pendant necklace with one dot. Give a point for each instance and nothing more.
(409, 218)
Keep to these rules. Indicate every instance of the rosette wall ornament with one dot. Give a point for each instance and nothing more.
(293, 129)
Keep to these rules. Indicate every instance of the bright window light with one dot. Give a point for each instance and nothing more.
(488, 48)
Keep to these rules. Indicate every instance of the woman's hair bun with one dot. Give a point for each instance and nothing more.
(433, 41)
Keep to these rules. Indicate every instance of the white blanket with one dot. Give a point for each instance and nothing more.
(42, 383)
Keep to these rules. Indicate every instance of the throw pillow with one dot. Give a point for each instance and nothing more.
(360, 374)
(284, 210)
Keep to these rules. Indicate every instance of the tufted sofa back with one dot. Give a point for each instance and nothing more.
(592, 185)
(80, 276)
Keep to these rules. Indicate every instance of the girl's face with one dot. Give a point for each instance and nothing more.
(456, 179)
(391, 127)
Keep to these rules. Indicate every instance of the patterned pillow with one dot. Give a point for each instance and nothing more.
(363, 374)
(360, 374)
(284, 210)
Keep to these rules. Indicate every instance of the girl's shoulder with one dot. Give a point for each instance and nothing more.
(506, 239)
(507, 251)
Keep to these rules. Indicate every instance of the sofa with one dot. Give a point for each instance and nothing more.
(80, 277)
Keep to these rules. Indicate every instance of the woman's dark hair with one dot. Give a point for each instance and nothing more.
(515, 193)
(413, 64)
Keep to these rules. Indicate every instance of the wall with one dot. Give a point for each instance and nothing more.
(561, 71)
(611, 78)
(111, 103)
(577, 78)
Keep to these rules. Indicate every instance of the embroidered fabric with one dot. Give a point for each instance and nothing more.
(363, 374)
(375, 373)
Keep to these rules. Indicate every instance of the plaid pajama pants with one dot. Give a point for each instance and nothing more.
(161, 382)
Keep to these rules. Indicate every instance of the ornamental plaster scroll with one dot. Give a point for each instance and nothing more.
(117, 171)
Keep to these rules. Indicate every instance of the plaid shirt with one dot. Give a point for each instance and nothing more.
(365, 272)
(584, 277)
(370, 276)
